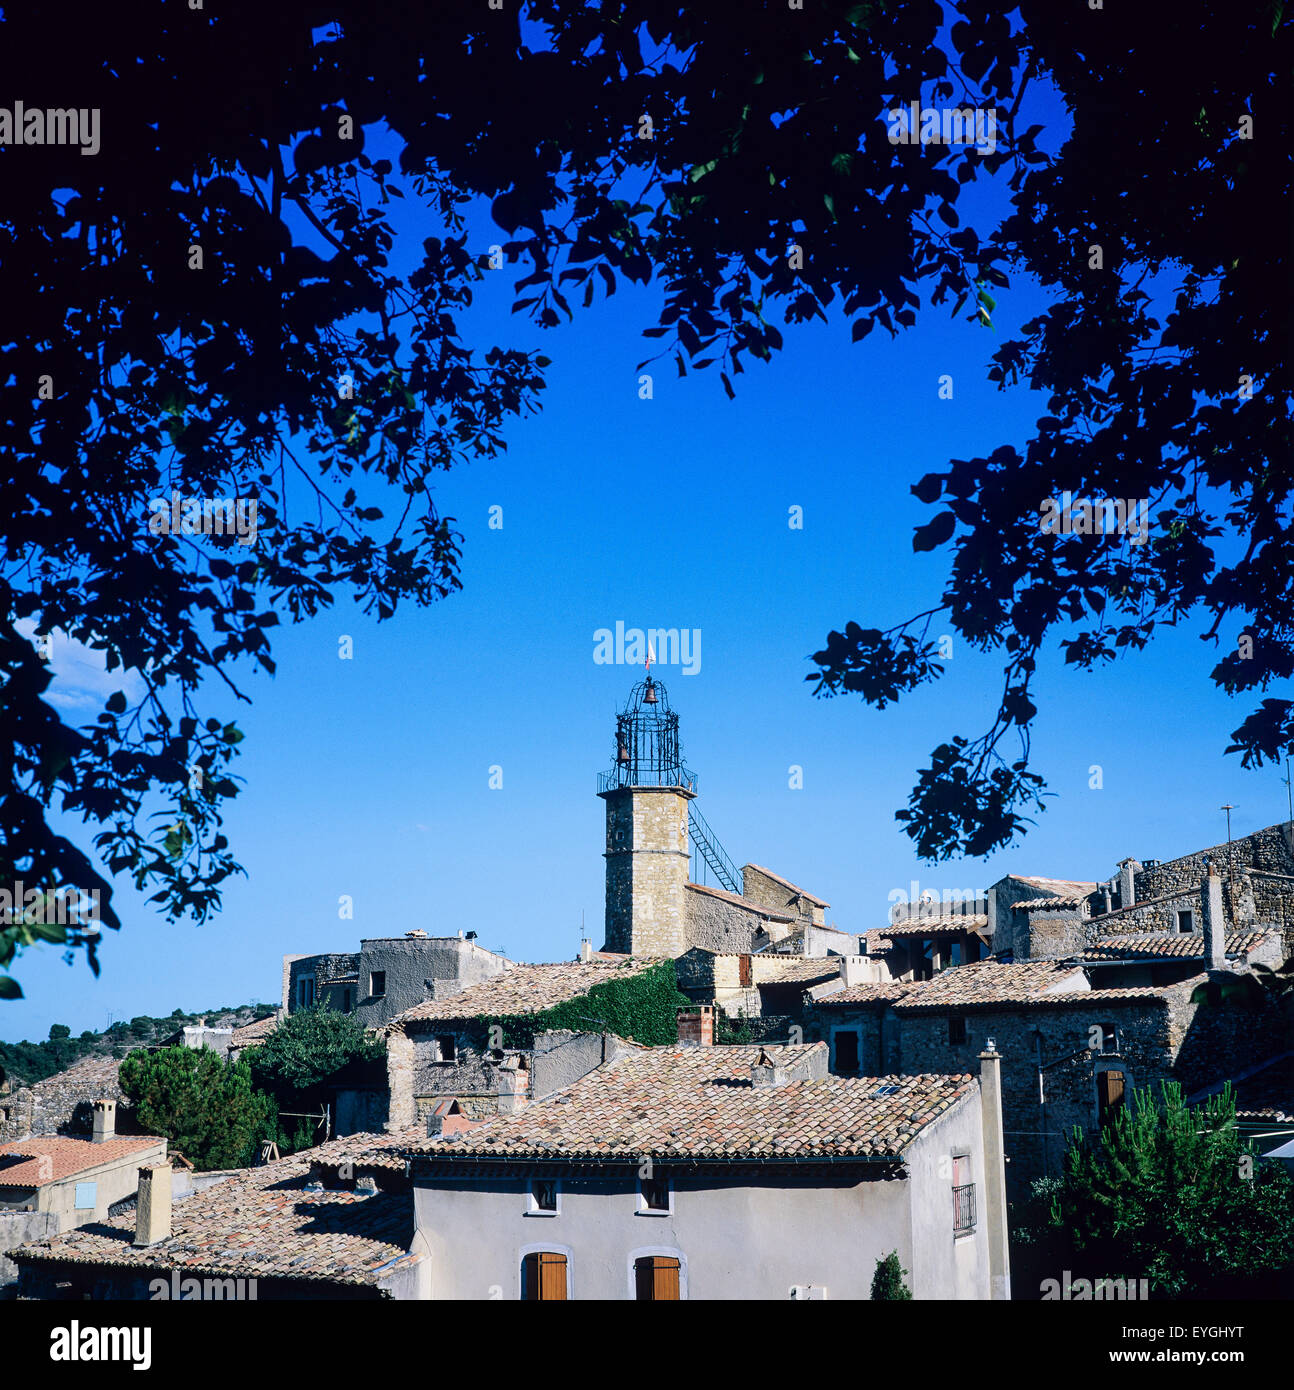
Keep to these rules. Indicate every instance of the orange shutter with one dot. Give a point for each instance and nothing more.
(552, 1276)
(1111, 1090)
(656, 1279)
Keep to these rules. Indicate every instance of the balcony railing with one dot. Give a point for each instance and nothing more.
(681, 777)
(963, 1209)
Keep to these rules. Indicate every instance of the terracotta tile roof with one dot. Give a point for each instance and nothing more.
(256, 1032)
(1056, 900)
(1168, 946)
(1264, 1093)
(790, 969)
(877, 941)
(262, 1223)
(935, 926)
(987, 983)
(67, 1157)
(525, 989)
(748, 903)
(1093, 998)
(786, 883)
(698, 1103)
(1059, 886)
(99, 1073)
(853, 995)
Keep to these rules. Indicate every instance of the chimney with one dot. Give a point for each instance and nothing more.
(696, 1026)
(153, 1205)
(586, 950)
(1215, 926)
(990, 1096)
(105, 1121)
(513, 1085)
(1127, 885)
(853, 970)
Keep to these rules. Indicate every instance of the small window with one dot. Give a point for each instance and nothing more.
(345, 1001)
(446, 1047)
(306, 992)
(847, 1052)
(1109, 1038)
(656, 1279)
(544, 1200)
(377, 983)
(543, 1276)
(956, 1030)
(654, 1196)
(87, 1196)
(1186, 921)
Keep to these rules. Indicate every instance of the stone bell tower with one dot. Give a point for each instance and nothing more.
(647, 791)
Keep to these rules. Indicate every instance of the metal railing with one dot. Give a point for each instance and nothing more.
(711, 851)
(963, 1209)
(618, 776)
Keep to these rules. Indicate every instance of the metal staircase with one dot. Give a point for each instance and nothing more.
(707, 850)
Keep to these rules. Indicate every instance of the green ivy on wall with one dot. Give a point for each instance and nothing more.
(643, 1006)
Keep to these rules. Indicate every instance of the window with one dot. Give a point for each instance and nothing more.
(446, 1047)
(1109, 1038)
(1186, 921)
(543, 1276)
(87, 1196)
(345, 1001)
(655, 1197)
(963, 1196)
(847, 1052)
(1109, 1094)
(306, 991)
(377, 983)
(743, 971)
(956, 1030)
(544, 1199)
(656, 1279)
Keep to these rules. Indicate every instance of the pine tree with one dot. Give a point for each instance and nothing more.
(887, 1282)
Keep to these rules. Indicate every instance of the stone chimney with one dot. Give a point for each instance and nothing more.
(105, 1121)
(153, 1205)
(853, 970)
(586, 950)
(990, 1095)
(696, 1026)
(1215, 926)
(1127, 883)
(513, 1087)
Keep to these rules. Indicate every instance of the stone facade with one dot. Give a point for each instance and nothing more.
(647, 867)
(63, 1103)
(770, 890)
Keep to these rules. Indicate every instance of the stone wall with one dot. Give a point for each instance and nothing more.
(1228, 1028)
(1051, 933)
(320, 968)
(778, 897)
(1271, 849)
(719, 923)
(62, 1104)
(647, 865)
(17, 1227)
(414, 967)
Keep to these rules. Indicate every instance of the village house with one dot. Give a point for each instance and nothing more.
(64, 1103)
(52, 1183)
(274, 1232)
(710, 1172)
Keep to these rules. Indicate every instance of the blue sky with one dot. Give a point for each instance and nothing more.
(369, 777)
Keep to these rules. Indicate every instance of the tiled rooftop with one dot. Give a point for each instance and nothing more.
(261, 1223)
(945, 924)
(1060, 887)
(524, 989)
(888, 992)
(991, 982)
(67, 1157)
(1167, 946)
(698, 1103)
(1057, 900)
(98, 1073)
(256, 1032)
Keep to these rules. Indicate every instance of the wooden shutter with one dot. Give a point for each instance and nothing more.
(656, 1278)
(745, 972)
(552, 1276)
(1111, 1092)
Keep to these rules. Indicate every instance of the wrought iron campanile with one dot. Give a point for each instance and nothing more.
(647, 751)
